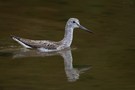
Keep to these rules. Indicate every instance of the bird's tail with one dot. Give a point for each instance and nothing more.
(18, 39)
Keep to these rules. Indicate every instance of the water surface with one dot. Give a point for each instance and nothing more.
(103, 60)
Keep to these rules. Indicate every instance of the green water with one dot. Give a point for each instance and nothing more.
(104, 60)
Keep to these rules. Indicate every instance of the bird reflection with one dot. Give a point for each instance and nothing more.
(71, 72)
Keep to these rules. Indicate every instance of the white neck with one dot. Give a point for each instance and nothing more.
(68, 37)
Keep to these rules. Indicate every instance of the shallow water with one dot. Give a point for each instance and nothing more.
(103, 60)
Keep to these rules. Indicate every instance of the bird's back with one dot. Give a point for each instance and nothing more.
(28, 43)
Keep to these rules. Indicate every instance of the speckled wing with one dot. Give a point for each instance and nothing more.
(35, 43)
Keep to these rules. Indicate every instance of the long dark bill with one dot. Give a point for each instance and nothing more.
(82, 27)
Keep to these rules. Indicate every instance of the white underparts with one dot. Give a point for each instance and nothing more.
(46, 50)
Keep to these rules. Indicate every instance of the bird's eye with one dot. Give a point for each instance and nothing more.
(73, 21)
